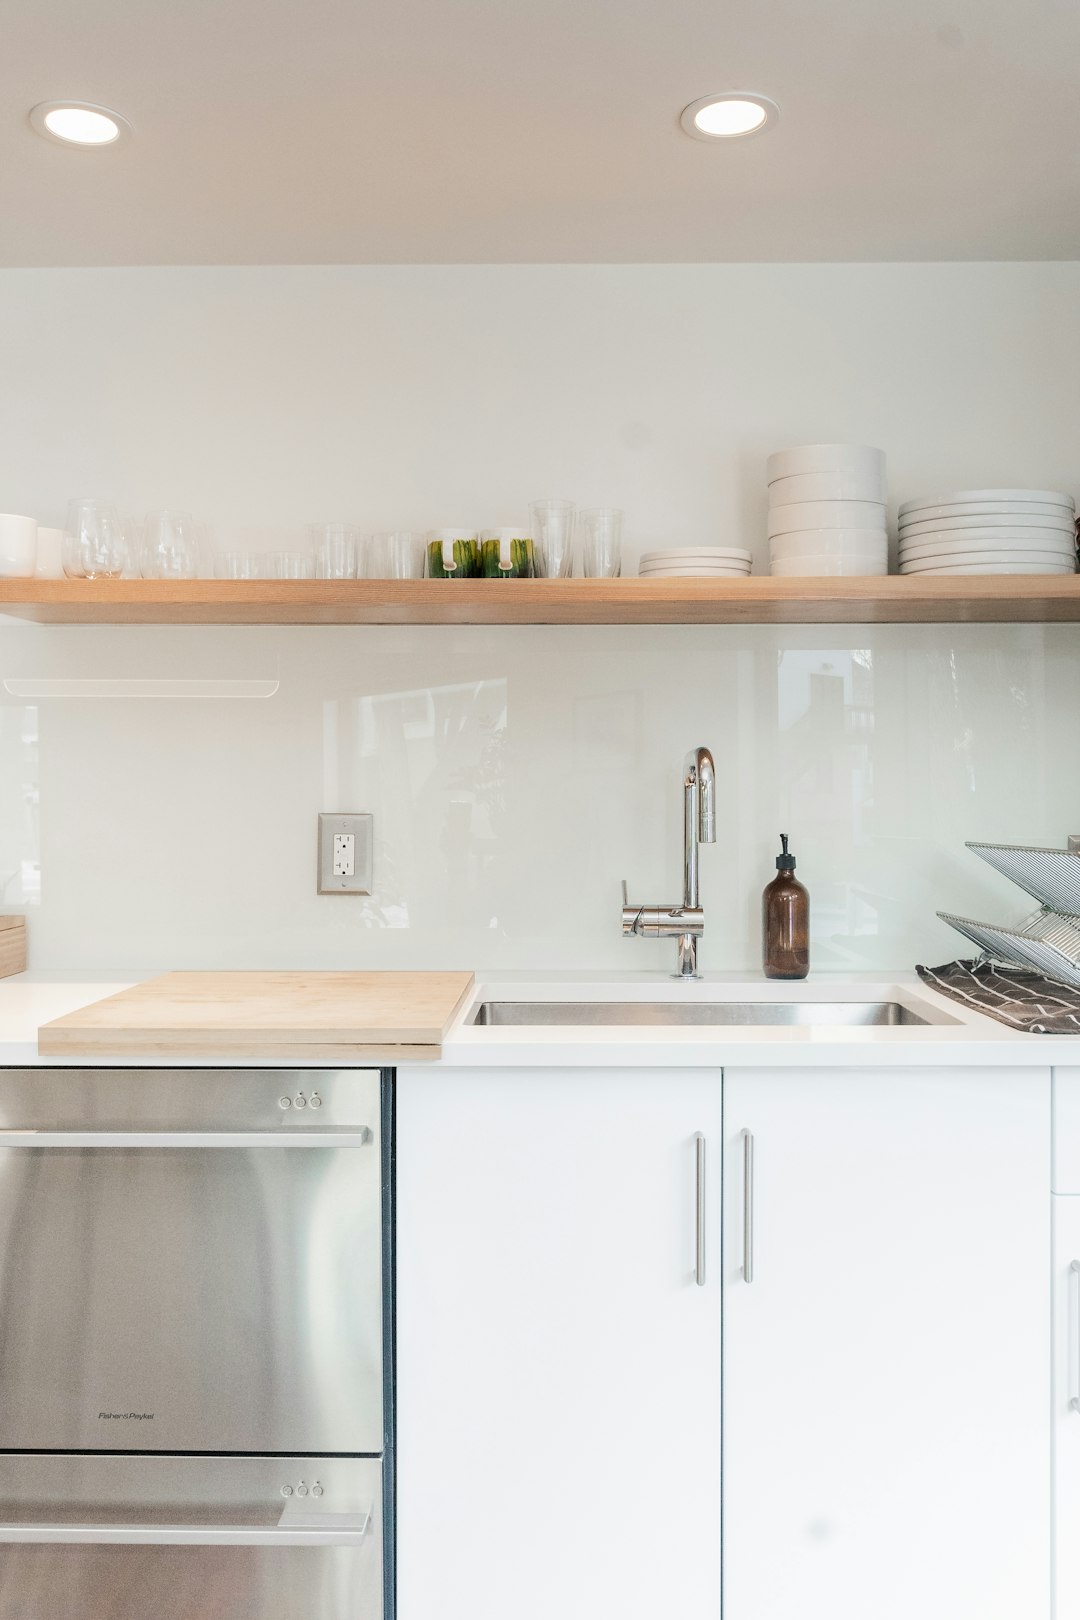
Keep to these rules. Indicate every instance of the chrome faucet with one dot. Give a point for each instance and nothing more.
(686, 922)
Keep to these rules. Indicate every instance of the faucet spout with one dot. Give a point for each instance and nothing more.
(701, 770)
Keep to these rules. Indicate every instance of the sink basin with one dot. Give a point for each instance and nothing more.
(684, 1013)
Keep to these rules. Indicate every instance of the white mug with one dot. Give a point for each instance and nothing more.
(50, 554)
(18, 546)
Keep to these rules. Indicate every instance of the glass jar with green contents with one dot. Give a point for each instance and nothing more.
(506, 554)
(453, 554)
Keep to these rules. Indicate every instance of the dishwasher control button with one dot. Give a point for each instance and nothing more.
(300, 1100)
(284, 1102)
(286, 1490)
(315, 1100)
(316, 1489)
(301, 1489)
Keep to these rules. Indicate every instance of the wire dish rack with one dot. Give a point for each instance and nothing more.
(1048, 940)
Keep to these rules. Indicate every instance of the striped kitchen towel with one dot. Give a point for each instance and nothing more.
(1013, 995)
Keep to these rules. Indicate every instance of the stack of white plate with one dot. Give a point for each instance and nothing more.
(827, 510)
(989, 531)
(696, 562)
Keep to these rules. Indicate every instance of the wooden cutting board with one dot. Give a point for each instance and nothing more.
(365, 1017)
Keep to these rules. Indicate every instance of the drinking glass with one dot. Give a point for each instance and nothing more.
(96, 546)
(293, 565)
(553, 534)
(334, 545)
(602, 542)
(399, 555)
(241, 565)
(169, 546)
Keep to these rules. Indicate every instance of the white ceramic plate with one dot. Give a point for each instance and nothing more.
(1051, 497)
(955, 559)
(867, 544)
(859, 460)
(1019, 510)
(698, 554)
(798, 515)
(984, 525)
(694, 573)
(988, 568)
(805, 566)
(826, 486)
(1058, 546)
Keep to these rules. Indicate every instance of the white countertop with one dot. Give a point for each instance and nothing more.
(28, 1000)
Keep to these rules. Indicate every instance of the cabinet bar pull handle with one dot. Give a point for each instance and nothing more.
(1074, 1336)
(748, 1206)
(699, 1209)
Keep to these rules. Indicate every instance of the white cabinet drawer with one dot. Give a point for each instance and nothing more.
(1066, 1172)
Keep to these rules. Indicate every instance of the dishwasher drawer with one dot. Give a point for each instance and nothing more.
(186, 1265)
(191, 1538)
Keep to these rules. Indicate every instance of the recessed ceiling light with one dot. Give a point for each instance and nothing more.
(79, 123)
(732, 112)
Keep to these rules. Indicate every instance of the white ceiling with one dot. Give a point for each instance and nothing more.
(392, 131)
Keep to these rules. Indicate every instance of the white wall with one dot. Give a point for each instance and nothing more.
(516, 776)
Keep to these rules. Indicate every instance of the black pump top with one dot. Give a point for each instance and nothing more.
(785, 862)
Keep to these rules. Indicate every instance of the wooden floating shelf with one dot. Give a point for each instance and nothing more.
(965, 599)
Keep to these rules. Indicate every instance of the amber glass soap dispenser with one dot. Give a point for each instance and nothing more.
(785, 921)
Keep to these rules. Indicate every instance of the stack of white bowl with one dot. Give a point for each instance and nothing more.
(989, 531)
(696, 562)
(827, 510)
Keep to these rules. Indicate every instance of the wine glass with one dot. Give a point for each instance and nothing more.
(96, 546)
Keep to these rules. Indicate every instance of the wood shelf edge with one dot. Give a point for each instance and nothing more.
(1010, 598)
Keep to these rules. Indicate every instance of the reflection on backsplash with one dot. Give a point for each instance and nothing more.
(515, 776)
(20, 866)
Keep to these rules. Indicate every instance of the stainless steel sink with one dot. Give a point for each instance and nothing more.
(843, 1013)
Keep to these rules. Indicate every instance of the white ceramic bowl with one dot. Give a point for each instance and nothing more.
(810, 565)
(990, 568)
(988, 524)
(1058, 544)
(957, 559)
(868, 544)
(826, 486)
(1050, 497)
(797, 515)
(860, 460)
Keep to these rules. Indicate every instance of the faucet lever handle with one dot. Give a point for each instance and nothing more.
(625, 895)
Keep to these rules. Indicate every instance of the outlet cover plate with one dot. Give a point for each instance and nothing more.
(360, 826)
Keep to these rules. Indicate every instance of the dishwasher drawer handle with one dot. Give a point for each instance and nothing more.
(349, 1531)
(185, 1139)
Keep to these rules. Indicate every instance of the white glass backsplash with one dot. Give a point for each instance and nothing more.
(159, 788)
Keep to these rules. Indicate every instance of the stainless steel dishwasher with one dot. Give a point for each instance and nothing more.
(195, 1391)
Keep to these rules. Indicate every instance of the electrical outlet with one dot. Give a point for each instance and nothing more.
(345, 854)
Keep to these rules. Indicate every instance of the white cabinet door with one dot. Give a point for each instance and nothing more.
(886, 1371)
(1066, 1413)
(558, 1367)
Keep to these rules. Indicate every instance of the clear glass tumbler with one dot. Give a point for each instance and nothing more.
(335, 549)
(96, 546)
(601, 550)
(170, 548)
(553, 537)
(294, 565)
(399, 555)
